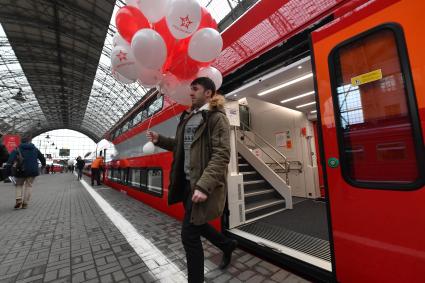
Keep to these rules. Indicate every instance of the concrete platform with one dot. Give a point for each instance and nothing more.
(71, 232)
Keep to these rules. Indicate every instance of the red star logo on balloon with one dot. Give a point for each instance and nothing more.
(122, 56)
(186, 22)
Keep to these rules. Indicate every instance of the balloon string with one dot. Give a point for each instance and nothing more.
(150, 120)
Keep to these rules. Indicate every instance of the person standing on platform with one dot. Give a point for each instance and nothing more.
(80, 167)
(198, 176)
(4, 156)
(26, 176)
(96, 166)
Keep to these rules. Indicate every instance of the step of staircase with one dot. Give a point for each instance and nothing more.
(253, 185)
(244, 167)
(261, 195)
(258, 209)
(258, 192)
(251, 176)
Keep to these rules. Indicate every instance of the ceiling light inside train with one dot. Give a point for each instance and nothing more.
(307, 104)
(298, 96)
(309, 75)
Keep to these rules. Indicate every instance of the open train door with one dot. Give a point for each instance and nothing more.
(370, 71)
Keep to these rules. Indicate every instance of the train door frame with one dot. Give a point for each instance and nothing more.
(322, 157)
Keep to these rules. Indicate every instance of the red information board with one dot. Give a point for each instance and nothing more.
(11, 142)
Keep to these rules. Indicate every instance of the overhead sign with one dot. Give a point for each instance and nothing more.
(11, 142)
(367, 78)
(64, 152)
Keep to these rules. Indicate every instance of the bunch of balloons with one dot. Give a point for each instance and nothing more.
(165, 44)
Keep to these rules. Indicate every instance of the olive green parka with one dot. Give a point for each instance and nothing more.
(209, 157)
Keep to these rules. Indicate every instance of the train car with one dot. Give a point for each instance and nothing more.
(327, 166)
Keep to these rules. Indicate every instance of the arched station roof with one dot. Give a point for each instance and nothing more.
(55, 66)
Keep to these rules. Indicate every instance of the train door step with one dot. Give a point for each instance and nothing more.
(303, 247)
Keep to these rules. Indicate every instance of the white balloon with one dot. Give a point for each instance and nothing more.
(134, 3)
(149, 48)
(149, 148)
(213, 74)
(123, 62)
(120, 78)
(118, 40)
(205, 45)
(181, 93)
(154, 10)
(149, 78)
(183, 18)
(168, 83)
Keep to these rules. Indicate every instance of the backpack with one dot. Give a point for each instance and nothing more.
(18, 165)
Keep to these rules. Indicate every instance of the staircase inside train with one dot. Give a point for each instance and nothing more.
(275, 190)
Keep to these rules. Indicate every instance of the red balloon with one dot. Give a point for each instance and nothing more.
(162, 28)
(207, 20)
(180, 64)
(129, 20)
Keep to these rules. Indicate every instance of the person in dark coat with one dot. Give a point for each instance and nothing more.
(30, 170)
(201, 150)
(4, 156)
(80, 166)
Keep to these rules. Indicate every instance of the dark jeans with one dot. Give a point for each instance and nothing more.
(191, 238)
(95, 175)
(80, 173)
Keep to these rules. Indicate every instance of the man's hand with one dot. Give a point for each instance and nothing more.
(199, 196)
(152, 136)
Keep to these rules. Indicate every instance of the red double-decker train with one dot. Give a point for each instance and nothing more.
(327, 172)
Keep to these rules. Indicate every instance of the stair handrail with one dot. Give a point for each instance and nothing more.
(285, 167)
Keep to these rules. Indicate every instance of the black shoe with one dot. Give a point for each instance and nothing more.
(227, 256)
(18, 204)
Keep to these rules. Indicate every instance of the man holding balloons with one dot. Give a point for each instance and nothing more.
(198, 175)
(170, 44)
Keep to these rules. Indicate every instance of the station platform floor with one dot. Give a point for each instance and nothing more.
(72, 232)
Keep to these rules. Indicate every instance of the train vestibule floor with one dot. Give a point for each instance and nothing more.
(302, 229)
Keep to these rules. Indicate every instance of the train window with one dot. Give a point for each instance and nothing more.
(155, 106)
(126, 127)
(109, 173)
(137, 119)
(130, 124)
(124, 175)
(143, 180)
(154, 181)
(375, 109)
(141, 116)
(113, 174)
(135, 178)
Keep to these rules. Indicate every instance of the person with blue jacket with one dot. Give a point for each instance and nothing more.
(30, 170)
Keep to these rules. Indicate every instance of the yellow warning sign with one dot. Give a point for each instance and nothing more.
(367, 78)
